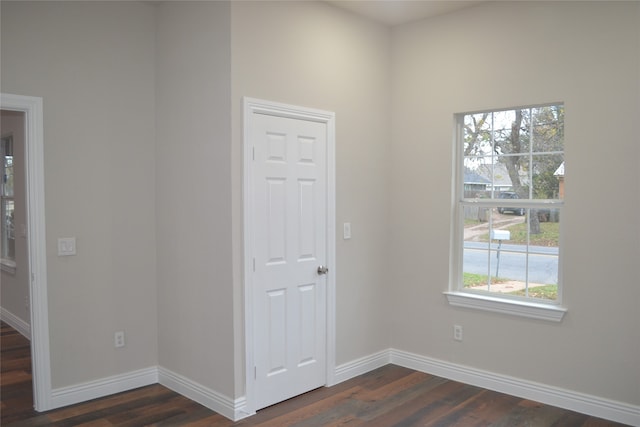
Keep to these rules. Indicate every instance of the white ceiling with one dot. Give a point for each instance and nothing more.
(394, 12)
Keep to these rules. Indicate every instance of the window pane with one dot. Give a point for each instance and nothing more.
(511, 131)
(511, 173)
(502, 120)
(546, 176)
(7, 167)
(8, 234)
(477, 178)
(477, 135)
(544, 228)
(548, 128)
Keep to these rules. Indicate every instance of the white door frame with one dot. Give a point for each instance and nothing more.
(34, 141)
(252, 106)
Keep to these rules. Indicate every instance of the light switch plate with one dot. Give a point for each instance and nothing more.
(66, 246)
(346, 230)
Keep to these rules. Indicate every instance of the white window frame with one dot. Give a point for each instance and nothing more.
(494, 302)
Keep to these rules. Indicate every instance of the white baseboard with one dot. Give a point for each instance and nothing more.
(549, 395)
(361, 366)
(16, 323)
(223, 405)
(235, 409)
(103, 387)
(232, 409)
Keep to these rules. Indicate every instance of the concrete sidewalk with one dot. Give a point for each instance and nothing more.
(506, 287)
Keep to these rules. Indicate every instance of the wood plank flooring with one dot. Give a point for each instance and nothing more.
(389, 396)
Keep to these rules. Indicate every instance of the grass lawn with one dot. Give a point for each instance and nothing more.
(549, 233)
(544, 292)
(471, 279)
(548, 292)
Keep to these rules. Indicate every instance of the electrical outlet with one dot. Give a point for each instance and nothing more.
(457, 332)
(118, 339)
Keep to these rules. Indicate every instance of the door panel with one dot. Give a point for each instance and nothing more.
(276, 217)
(290, 234)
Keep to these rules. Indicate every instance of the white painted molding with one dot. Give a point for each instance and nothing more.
(235, 409)
(502, 305)
(16, 323)
(227, 407)
(103, 387)
(223, 405)
(362, 366)
(580, 402)
(549, 395)
(40, 347)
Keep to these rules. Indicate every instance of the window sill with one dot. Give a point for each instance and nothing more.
(8, 266)
(528, 309)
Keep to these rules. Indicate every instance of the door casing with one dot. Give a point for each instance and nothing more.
(253, 106)
(34, 150)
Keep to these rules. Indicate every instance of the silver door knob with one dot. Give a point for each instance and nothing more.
(323, 270)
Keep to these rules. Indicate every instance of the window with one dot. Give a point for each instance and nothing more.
(7, 203)
(509, 191)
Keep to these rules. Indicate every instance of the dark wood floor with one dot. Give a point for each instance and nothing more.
(389, 396)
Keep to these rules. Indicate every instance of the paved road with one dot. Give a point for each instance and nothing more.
(479, 258)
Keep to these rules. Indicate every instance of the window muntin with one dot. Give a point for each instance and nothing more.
(509, 192)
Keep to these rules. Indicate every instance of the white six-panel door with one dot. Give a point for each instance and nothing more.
(289, 244)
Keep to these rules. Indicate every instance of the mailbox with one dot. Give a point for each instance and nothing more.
(500, 235)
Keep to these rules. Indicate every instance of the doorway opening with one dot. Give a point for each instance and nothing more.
(34, 233)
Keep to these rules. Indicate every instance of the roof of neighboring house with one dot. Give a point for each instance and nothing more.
(560, 170)
(500, 175)
(471, 177)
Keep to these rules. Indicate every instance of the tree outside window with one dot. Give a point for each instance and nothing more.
(509, 224)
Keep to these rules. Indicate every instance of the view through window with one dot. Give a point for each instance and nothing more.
(510, 191)
(7, 202)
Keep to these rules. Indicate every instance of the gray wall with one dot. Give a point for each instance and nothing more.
(93, 64)
(193, 193)
(507, 54)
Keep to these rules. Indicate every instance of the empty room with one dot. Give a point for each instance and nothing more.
(229, 204)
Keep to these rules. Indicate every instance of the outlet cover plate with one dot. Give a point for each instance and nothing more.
(66, 246)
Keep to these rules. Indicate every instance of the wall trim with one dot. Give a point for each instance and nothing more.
(223, 405)
(36, 241)
(550, 395)
(236, 409)
(16, 323)
(361, 366)
(532, 310)
(83, 392)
